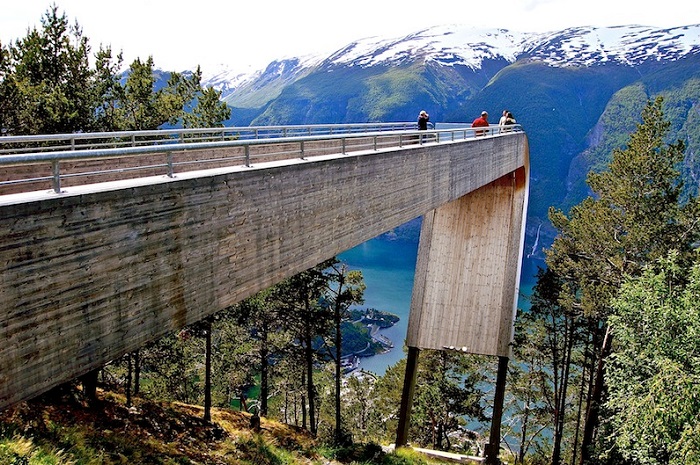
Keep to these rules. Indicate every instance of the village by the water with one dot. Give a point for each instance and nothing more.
(362, 337)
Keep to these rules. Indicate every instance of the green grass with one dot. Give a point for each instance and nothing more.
(66, 431)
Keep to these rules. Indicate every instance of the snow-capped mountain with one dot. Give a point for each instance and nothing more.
(456, 45)
(629, 45)
(578, 92)
(448, 45)
(583, 46)
(255, 88)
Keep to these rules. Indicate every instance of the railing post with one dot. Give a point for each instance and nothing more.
(247, 155)
(56, 177)
(374, 140)
(301, 149)
(343, 149)
(169, 162)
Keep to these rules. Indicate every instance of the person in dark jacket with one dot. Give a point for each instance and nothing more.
(423, 119)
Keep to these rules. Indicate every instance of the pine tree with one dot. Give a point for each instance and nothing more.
(547, 339)
(49, 80)
(299, 297)
(448, 392)
(634, 217)
(654, 370)
(47, 86)
(346, 288)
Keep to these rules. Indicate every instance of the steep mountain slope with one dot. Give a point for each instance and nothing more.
(578, 92)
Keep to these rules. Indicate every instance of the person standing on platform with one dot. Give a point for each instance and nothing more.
(502, 121)
(481, 122)
(423, 119)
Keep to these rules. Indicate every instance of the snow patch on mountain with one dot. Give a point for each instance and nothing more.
(277, 73)
(455, 44)
(627, 45)
(448, 45)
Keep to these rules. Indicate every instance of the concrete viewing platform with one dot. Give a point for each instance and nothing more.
(96, 272)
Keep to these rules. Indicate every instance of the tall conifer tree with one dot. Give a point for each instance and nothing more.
(634, 217)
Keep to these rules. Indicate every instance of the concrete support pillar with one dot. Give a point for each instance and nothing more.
(468, 270)
(494, 445)
(466, 283)
(409, 385)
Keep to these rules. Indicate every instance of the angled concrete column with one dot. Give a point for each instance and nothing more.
(467, 276)
(468, 270)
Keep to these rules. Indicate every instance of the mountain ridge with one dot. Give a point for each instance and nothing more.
(452, 45)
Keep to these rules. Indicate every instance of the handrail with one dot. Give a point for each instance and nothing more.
(392, 132)
(92, 140)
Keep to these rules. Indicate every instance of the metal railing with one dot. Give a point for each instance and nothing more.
(97, 140)
(39, 159)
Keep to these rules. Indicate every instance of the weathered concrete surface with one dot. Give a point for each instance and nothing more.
(99, 271)
(468, 270)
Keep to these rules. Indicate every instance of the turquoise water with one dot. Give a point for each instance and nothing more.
(388, 267)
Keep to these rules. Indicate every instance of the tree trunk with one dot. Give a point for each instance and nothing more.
(557, 382)
(580, 407)
(303, 400)
(128, 380)
(437, 439)
(310, 394)
(244, 401)
(207, 372)
(561, 400)
(523, 432)
(596, 397)
(264, 384)
(338, 352)
(89, 382)
(137, 372)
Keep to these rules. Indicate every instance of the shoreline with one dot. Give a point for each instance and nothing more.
(351, 363)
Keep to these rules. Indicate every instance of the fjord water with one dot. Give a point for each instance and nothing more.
(387, 267)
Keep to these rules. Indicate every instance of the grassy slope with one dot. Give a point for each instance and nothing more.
(63, 429)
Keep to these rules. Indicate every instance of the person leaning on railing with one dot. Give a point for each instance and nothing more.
(508, 121)
(481, 122)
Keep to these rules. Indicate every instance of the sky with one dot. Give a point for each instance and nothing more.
(247, 35)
